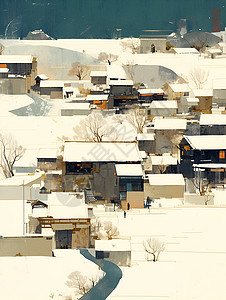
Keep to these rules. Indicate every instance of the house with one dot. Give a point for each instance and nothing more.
(68, 218)
(146, 142)
(176, 90)
(152, 43)
(121, 87)
(205, 155)
(52, 88)
(101, 100)
(212, 124)
(149, 95)
(130, 178)
(188, 105)
(92, 165)
(164, 186)
(165, 163)
(163, 108)
(98, 77)
(205, 100)
(168, 132)
(117, 251)
(18, 73)
(123, 92)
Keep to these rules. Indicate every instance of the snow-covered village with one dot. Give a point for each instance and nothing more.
(113, 163)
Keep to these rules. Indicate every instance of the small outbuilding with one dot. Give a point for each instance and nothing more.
(117, 251)
(164, 186)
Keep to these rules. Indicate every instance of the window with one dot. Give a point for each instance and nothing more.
(222, 154)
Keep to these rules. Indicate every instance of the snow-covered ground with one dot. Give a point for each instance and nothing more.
(193, 265)
(181, 64)
(42, 278)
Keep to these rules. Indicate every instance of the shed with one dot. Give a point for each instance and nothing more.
(163, 108)
(165, 186)
(205, 100)
(52, 88)
(98, 77)
(117, 251)
(176, 90)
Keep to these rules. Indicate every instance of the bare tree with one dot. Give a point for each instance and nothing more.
(104, 229)
(198, 77)
(82, 284)
(94, 128)
(133, 44)
(111, 230)
(154, 247)
(199, 183)
(79, 282)
(137, 118)
(10, 153)
(130, 67)
(78, 70)
(162, 167)
(96, 226)
(107, 57)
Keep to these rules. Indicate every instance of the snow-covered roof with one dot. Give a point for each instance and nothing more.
(212, 119)
(150, 91)
(146, 136)
(202, 93)
(179, 87)
(166, 179)
(47, 153)
(116, 71)
(98, 74)
(169, 124)
(14, 59)
(100, 97)
(121, 82)
(19, 180)
(186, 51)
(210, 166)
(192, 100)
(71, 106)
(129, 170)
(207, 142)
(164, 104)
(112, 245)
(67, 205)
(4, 70)
(42, 77)
(104, 151)
(219, 84)
(164, 160)
(51, 83)
(143, 154)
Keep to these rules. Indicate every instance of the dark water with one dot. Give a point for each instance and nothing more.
(101, 18)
